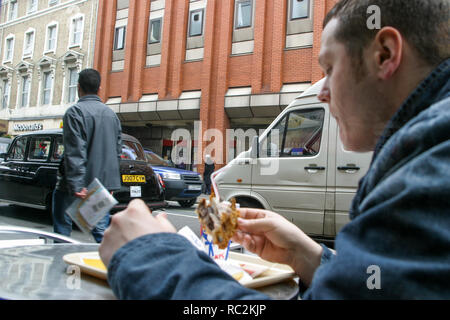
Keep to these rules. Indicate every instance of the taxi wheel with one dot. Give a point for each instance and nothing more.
(187, 203)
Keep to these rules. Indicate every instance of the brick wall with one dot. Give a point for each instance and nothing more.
(265, 70)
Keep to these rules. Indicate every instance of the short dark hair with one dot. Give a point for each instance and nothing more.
(423, 23)
(89, 80)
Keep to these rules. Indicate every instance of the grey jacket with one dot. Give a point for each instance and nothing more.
(92, 146)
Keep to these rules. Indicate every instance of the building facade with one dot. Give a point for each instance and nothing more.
(44, 44)
(205, 64)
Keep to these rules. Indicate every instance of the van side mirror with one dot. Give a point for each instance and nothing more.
(3, 156)
(254, 154)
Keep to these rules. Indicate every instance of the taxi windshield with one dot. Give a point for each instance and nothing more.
(132, 151)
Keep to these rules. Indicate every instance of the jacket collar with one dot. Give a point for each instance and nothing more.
(430, 90)
(434, 88)
(90, 97)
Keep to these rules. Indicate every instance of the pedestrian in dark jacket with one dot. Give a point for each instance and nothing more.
(209, 169)
(92, 148)
(389, 90)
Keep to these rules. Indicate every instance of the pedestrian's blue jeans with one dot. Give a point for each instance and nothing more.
(62, 223)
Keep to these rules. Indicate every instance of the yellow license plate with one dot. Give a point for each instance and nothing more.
(133, 178)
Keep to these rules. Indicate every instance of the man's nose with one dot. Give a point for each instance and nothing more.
(324, 94)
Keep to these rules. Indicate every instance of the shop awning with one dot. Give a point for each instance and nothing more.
(186, 107)
(241, 103)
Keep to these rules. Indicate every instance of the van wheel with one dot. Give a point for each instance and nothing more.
(187, 203)
(249, 203)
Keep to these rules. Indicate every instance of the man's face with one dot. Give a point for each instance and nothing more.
(352, 96)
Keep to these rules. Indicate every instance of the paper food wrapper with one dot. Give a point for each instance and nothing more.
(220, 256)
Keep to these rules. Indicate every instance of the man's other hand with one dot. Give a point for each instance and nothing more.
(135, 221)
(82, 194)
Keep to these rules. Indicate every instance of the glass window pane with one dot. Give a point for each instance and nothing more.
(272, 145)
(5, 93)
(72, 95)
(39, 148)
(73, 76)
(9, 50)
(48, 81)
(18, 150)
(25, 91)
(13, 10)
(73, 79)
(29, 39)
(155, 31)
(32, 6)
(58, 150)
(304, 133)
(51, 38)
(155, 159)
(298, 134)
(77, 31)
(244, 14)
(119, 42)
(132, 151)
(47, 88)
(299, 9)
(196, 23)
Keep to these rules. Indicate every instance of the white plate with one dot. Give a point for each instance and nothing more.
(88, 262)
(275, 273)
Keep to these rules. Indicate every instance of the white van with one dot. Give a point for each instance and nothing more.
(305, 175)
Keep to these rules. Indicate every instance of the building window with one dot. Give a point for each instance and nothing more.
(13, 9)
(299, 9)
(28, 44)
(9, 49)
(244, 12)
(196, 23)
(155, 31)
(46, 88)
(77, 31)
(25, 91)
(73, 80)
(119, 38)
(50, 44)
(52, 2)
(32, 6)
(5, 94)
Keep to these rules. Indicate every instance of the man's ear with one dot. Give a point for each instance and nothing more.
(388, 52)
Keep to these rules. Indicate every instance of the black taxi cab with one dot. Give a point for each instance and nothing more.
(28, 172)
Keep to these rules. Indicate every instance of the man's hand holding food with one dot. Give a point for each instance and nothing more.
(275, 239)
